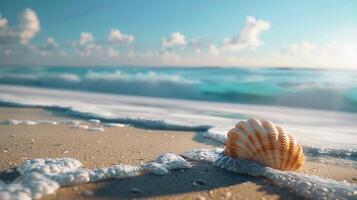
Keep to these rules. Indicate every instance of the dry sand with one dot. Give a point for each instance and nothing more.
(129, 145)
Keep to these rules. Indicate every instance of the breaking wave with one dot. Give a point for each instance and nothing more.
(328, 90)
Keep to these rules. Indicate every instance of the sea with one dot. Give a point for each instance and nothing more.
(317, 107)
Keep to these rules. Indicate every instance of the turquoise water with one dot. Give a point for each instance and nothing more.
(321, 89)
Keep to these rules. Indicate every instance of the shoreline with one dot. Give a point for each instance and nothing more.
(127, 145)
(310, 127)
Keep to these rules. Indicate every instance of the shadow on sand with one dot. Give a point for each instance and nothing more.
(201, 177)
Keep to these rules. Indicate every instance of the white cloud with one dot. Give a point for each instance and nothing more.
(28, 28)
(88, 46)
(309, 54)
(115, 36)
(3, 22)
(30, 25)
(90, 49)
(86, 38)
(198, 44)
(176, 39)
(304, 47)
(248, 37)
(170, 57)
(50, 44)
(213, 50)
(112, 53)
(45, 49)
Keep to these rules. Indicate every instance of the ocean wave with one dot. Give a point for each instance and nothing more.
(262, 89)
(149, 83)
(294, 88)
(110, 76)
(150, 76)
(105, 117)
(313, 128)
(351, 94)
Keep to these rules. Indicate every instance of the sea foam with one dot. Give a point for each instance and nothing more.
(40, 177)
(303, 185)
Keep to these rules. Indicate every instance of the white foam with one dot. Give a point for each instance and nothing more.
(172, 161)
(29, 122)
(306, 186)
(80, 126)
(10, 122)
(70, 122)
(96, 129)
(40, 177)
(49, 166)
(47, 122)
(38, 122)
(114, 125)
(155, 168)
(18, 122)
(28, 186)
(95, 121)
(209, 155)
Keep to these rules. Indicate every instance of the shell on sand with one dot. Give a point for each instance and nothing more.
(265, 143)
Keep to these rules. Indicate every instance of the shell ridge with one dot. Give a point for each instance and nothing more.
(249, 145)
(273, 140)
(292, 149)
(250, 133)
(263, 140)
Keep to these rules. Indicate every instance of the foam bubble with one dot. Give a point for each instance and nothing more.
(38, 184)
(10, 122)
(75, 177)
(95, 121)
(49, 166)
(155, 168)
(47, 122)
(172, 161)
(209, 155)
(70, 122)
(29, 122)
(114, 125)
(99, 129)
(28, 186)
(79, 126)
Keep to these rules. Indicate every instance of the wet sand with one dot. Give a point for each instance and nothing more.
(128, 145)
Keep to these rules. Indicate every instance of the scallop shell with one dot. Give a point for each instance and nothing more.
(265, 143)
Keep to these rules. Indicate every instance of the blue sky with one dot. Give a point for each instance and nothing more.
(197, 33)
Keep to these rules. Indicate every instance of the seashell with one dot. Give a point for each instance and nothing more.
(265, 143)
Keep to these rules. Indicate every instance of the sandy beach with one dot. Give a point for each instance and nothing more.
(128, 145)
